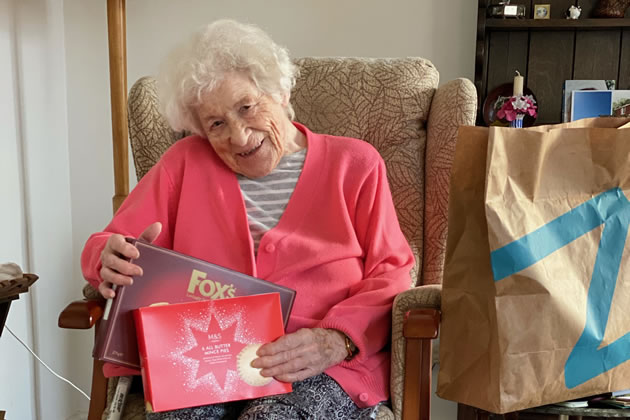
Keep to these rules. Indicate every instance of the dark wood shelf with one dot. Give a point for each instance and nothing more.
(547, 52)
(556, 24)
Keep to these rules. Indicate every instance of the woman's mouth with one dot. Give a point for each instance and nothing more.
(252, 151)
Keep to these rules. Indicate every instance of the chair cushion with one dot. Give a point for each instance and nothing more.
(385, 102)
(149, 133)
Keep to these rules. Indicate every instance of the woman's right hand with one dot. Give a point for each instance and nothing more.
(116, 270)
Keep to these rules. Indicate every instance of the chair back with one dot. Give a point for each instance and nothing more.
(385, 102)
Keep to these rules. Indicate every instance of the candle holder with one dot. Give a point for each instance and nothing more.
(518, 122)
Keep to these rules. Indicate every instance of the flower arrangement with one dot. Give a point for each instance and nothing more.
(516, 107)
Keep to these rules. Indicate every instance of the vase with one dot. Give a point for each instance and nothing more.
(518, 122)
(611, 8)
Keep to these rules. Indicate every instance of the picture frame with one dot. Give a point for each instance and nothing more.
(507, 10)
(596, 103)
(621, 103)
(591, 103)
(571, 85)
(542, 11)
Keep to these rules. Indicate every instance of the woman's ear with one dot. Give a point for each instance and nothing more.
(285, 99)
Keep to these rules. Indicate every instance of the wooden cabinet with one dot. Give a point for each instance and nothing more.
(549, 51)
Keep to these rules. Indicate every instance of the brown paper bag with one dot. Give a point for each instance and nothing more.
(534, 302)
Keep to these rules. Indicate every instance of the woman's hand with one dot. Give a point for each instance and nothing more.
(115, 269)
(302, 354)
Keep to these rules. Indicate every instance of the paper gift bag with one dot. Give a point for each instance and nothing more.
(537, 277)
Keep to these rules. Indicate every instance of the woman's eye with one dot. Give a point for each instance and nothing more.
(215, 124)
(246, 108)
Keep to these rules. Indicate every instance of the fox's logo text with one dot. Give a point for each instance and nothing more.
(209, 288)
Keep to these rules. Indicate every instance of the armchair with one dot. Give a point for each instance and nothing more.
(396, 105)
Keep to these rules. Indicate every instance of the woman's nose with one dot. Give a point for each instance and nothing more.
(239, 135)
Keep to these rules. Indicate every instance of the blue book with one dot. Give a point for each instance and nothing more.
(591, 103)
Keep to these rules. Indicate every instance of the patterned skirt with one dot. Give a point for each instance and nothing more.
(317, 397)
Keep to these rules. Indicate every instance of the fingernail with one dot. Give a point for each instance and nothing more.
(254, 363)
(130, 281)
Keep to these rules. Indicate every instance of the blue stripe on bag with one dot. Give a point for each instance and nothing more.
(612, 209)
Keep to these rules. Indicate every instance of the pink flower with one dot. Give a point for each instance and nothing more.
(517, 105)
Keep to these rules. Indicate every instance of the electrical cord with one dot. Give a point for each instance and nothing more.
(45, 365)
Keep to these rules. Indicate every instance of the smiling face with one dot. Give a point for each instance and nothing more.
(247, 128)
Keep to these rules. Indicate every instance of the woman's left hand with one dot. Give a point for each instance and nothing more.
(302, 354)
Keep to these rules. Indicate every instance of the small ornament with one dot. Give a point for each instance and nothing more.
(506, 10)
(574, 12)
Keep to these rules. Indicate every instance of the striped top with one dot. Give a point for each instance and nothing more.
(267, 197)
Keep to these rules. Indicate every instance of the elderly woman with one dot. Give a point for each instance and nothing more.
(256, 192)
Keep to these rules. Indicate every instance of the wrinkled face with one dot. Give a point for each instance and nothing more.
(246, 128)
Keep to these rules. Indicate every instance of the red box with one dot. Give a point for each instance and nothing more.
(199, 353)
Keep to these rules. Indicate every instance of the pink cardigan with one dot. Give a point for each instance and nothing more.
(338, 242)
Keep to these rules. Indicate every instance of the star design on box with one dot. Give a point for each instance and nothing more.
(215, 351)
(209, 345)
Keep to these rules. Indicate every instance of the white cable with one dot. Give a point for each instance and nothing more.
(45, 365)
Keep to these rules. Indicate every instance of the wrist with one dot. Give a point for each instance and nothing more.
(350, 350)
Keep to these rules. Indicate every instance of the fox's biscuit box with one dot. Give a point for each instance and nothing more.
(171, 277)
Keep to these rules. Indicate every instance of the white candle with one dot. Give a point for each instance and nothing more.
(518, 84)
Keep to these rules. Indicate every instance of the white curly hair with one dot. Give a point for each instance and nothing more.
(224, 46)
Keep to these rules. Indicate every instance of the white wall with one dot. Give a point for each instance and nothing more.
(13, 231)
(56, 156)
(38, 217)
(442, 31)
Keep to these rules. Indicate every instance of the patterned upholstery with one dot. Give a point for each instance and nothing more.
(149, 133)
(384, 102)
(454, 104)
(396, 105)
(90, 292)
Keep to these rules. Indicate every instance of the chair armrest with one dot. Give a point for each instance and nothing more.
(422, 324)
(454, 104)
(81, 314)
(422, 297)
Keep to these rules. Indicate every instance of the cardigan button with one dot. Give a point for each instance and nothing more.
(363, 396)
(270, 248)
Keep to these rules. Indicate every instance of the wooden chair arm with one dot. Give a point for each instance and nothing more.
(420, 327)
(81, 314)
(422, 323)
